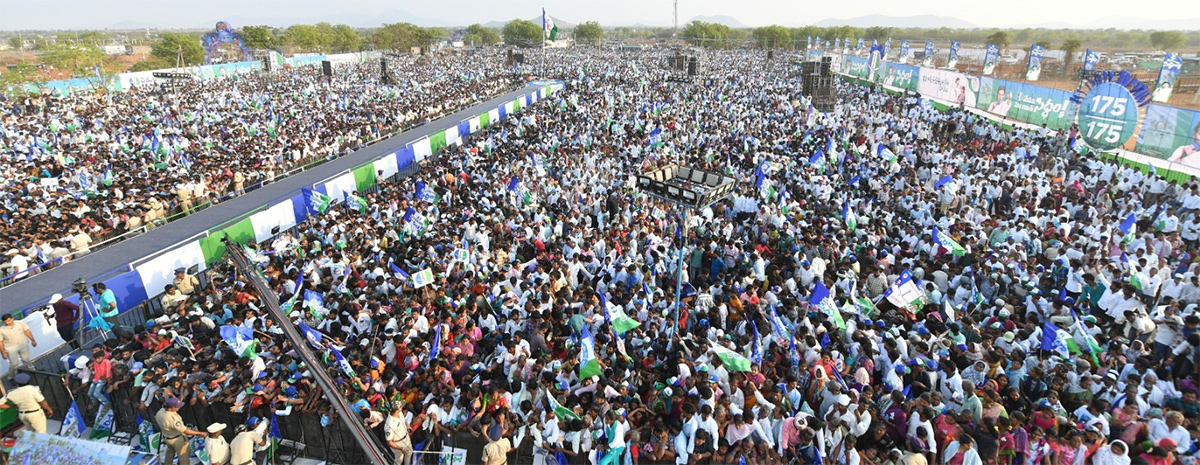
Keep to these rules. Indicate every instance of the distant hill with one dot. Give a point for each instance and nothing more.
(1125, 22)
(923, 21)
(719, 19)
(562, 24)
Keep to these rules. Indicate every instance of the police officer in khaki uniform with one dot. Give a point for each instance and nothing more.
(241, 450)
(186, 283)
(184, 193)
(15, 339)
(174, 432)
(30, 404)
(215, 445)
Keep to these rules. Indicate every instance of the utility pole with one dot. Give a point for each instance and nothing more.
(675, 30)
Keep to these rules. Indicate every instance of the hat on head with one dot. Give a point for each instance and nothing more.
(55, 298)
(216, 427)
(136, 367)
(174, 402)
(21, 379)
(180, 270)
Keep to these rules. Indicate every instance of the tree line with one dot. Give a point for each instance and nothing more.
(718, 35)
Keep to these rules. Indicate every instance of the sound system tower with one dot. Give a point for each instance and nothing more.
(519, 58)
(817, 80)
(327, 68)
(770, 55)
(383, 72)
(692, 66)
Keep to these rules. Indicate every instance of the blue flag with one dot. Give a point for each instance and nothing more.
(436, 348)
(313, 336)
(398, 273)
(514, 185)
(756, 355)
(942, 182)
(73, 424)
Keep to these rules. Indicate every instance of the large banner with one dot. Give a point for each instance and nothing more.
(955, 87)
(1172, 64)
(1035, 62)
(873, 59)
(928, 54)
(989, 59)
(40, 448)
(903, 51)
(858, 45)
(1171, 133)
(899, 75)
(855, 66)
(1026, 102)
(1090, 60)
(953, 61)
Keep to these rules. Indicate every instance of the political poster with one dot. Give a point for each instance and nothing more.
(1090, 60)
(1034, 70)
(1026, 103)
(855, 66)
(899, 75)
(990, 58)
(953, 61)
(1172, 64)
(31, 447)
(1172, 134)
(903, 52)
(858, 45)
(957, 88)
(928, 54)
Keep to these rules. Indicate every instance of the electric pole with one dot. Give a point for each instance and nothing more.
(675, 30)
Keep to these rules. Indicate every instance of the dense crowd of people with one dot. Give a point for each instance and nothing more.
(85, 167)
(889, 285)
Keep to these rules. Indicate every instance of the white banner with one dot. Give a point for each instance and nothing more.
(494, 116)
(340, 186)
(385, 167)
(422, 149)
(160, 271)
(957, 88)
(280, 215)
(452, 135)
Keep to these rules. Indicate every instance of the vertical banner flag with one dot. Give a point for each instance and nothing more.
(858, 45)
(875, 57)
(809, 43)
(928, 54)
(1172, 64)
(903, 51)
(953, 61)
(549, 29)
(1035, 62)
(1090, 60)
(989, 59)
(887, 48)
(819, 42)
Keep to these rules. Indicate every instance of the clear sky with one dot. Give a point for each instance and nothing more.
(97, 14)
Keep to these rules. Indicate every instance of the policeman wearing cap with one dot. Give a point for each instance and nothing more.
(184, 282)
(31, 406)
(241, 450)
(174, 432)
(215, 445)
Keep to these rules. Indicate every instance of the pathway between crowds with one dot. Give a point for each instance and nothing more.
(37, 289)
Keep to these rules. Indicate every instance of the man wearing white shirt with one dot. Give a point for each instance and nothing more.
(1172, 428)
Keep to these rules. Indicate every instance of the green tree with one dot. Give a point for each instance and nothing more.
(402, 37)
(706, 34)
(171, 45)
(878, 33)
(1043, 43)
(801, 35)
(1000, 39)
(17, 76)
(346, 39)
(304, 37)
(260, 37)
(523, 33)
(16, 42)
(1167, 40)
(589, 32)
(1070, 46)
(72, 57)
(479, 35)
(149, 64)
(772, 36)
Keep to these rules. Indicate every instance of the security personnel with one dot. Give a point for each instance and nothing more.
(30, 404)
(215, 445)
(186, 283)
(241, 450)
(174, 433)
(15, 339)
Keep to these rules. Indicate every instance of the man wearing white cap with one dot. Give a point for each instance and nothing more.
(215, 445)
